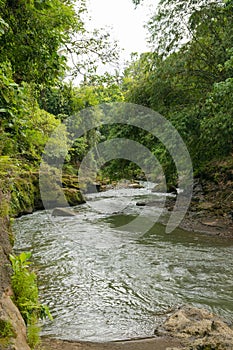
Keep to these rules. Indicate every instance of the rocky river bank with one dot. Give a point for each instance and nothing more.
(210, 212)
(187, 328)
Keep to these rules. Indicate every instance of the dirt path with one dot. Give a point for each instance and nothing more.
(160, 343)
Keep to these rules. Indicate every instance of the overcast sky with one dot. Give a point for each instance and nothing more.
(124, 22)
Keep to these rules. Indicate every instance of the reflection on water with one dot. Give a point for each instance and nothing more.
(102, 283)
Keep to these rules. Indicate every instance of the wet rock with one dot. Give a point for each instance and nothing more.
(163, 188)
(198, 328)
(172, 189)
(159, 188)
(62, 212)
(141, 204)
(93, 187)
(135, 185)
(154, 203)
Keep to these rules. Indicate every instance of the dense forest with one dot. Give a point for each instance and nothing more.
(187, 77)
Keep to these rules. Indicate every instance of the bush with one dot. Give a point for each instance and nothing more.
(24, 284)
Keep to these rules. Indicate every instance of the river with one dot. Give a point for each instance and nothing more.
(103, 283)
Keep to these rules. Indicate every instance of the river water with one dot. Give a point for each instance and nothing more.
(103, 283)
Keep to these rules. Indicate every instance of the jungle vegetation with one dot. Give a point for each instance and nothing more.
(187, 77)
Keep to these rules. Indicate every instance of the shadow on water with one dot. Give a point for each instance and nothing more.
(178, 236)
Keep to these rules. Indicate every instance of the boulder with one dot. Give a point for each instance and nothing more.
(198, 328)
(73, 196)
(141, 204)
(63, 212)
(15, 336)
(159, 188)
(135, 185)
(205, 206)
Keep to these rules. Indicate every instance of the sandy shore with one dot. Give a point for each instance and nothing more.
(158, 343)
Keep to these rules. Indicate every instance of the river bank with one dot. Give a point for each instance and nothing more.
(187, 328)
(210, 213)
(211, 208)
(162, 343)
(19, 195)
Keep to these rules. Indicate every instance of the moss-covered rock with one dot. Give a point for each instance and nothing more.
(70, 181)
(23, 192)
(73, 196)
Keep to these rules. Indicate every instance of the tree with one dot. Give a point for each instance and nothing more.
(24, 127)
(38, 37)
(36, 31)
(188, 77)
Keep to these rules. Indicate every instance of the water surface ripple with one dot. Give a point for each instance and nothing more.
(105, 284)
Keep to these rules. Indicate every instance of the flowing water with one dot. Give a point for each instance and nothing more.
(103, 283)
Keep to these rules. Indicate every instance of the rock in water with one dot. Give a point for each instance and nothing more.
(135, 185)
(141, 204)
(62, 212)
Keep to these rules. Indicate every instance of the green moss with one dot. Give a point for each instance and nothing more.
(22, 196)
(4, 203)
(73, 196)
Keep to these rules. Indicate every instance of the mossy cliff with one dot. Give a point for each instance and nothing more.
(25, 194)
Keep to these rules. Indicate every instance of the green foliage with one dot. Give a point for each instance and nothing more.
(36, 30)
(25, 289)
(57, 147)
(67, 101)
(24, 127)
(59, 100)
(6, 329)
(188, 79)
(36, 38)
(217, 122)
(40, 37)
(33, 335)
(7, 166)
(119, 169)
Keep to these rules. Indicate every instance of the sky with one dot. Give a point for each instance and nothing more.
(124, 22)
